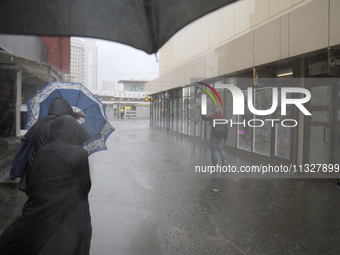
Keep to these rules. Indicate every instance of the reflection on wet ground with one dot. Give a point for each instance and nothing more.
(11, 202)
(145, 200)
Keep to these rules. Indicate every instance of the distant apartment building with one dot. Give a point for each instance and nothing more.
(77, 61)
(91, 63)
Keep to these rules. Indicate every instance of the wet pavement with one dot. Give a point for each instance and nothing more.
(146, 199)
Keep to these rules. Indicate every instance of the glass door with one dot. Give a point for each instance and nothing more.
(320, 128)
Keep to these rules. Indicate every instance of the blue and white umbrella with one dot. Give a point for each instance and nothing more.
(81, 100)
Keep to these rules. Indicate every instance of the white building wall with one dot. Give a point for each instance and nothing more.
(244, 34)
(224, 25)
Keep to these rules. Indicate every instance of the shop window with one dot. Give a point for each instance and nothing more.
(185, 91)
(198, 125)
(179, 114)
(321, 96)
(282, 141)
(162, 120)
(171, 114)
(185, 111)
(192, 90)
(191, 123)
(228, 114)
(262, 135)
(174, 113)
(244, 132)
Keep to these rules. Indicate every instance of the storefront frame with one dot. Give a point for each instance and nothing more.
(290, 148)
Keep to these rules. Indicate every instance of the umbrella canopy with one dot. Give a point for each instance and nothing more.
(143, 24)
(195, 113)
(195, 110)
(82, 101)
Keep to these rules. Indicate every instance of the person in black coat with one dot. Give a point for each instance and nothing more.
(56, 217)
(41, 131)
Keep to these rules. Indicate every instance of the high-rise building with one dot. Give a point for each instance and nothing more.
(91, 63)
(77, 61)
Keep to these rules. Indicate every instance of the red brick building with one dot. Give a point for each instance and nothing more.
(59, 49)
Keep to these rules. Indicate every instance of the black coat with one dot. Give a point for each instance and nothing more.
(41, 134)
(56, 218)
(211, 119)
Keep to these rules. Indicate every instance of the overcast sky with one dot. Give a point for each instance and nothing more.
(116, 60)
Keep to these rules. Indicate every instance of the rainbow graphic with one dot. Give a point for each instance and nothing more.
(211, 88)
(204, 97)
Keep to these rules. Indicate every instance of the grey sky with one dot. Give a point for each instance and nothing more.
(119, 60)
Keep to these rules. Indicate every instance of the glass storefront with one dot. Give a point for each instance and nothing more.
(249, 132)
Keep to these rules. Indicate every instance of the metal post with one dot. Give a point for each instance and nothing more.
(18, 87)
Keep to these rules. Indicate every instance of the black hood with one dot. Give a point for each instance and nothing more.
(69, 130)
(60, 107)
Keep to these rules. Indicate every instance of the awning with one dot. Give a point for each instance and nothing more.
(34, 73)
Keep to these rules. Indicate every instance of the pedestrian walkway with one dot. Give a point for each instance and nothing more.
(147, 199)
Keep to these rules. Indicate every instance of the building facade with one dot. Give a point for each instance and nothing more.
(58, 53)
(26, 66)
(127, 103)
(90, 64)
(77, 61)
(259, 45)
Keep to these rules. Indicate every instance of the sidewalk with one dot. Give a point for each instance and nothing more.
(130, 133)
(11, 200)
(8, 148)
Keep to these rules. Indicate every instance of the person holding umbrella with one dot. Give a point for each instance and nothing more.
(41, 130)
(56, 218)
(82, 101)
(64, 98)
(218, 136)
